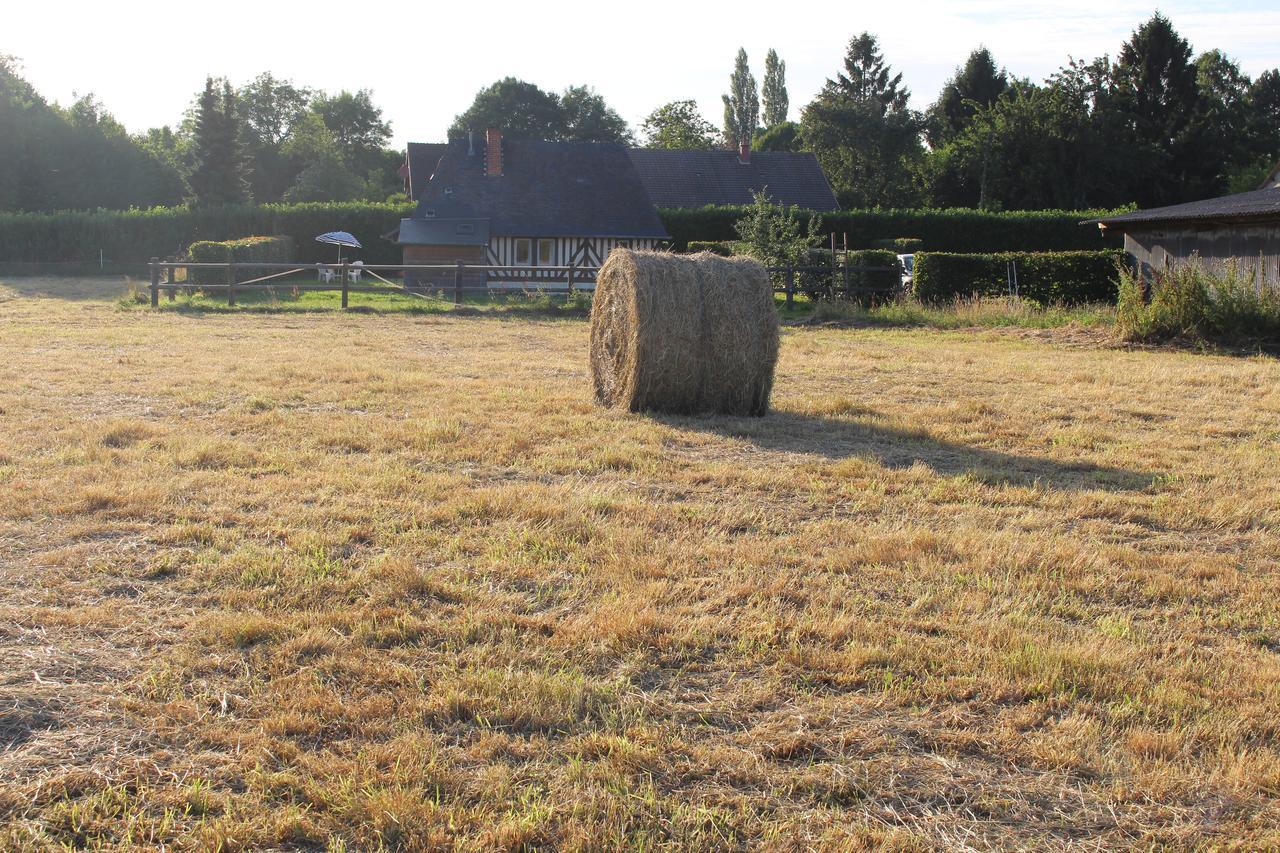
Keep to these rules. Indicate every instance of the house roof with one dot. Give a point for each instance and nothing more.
(547, 189)
(422, 158)
(1257, 204)
(701, 178)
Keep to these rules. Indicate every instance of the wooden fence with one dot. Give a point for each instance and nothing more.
(852, 282)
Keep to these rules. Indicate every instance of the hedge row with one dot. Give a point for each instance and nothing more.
(956, 230)
(1045, 278)
(135, 235)
(267, 249)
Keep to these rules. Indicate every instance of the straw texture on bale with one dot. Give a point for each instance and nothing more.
(683, 334)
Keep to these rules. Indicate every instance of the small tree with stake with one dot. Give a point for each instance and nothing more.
(773, 235)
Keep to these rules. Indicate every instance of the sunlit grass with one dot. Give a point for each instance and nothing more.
(392, 580)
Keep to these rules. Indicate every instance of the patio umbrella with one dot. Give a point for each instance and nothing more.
(340, 239)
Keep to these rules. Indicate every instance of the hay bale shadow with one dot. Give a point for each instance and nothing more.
(899, 448)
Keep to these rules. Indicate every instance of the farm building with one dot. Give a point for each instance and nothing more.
(525, 204)
(1244, 227)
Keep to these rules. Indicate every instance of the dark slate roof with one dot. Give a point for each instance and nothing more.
(547, 189)
(1258, 204)
(422, 158)
(701, 178)
(443, 232)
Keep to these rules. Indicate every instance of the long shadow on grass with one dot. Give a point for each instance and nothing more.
(898, 447)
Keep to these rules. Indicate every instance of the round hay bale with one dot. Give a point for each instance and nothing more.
(683, 334)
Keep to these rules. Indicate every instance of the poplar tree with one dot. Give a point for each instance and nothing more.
(774, 90)
(741, 105)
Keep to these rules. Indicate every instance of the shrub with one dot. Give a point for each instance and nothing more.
(1188, 301)
(266, 249)
(721, 248)
(900, 245)
(1045, 278)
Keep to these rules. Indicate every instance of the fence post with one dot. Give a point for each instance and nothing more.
(171, 278)
(847, 292)
(155, 282)
(791, 285)
(571, 271)
(346, 281)
(457, 284)
(231, 283)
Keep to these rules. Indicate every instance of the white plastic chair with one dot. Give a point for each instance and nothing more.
(353, 274)
(326, 274)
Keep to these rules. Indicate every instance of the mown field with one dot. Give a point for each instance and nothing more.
(350, 582)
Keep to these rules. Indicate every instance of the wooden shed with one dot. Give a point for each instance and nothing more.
(1243, 228)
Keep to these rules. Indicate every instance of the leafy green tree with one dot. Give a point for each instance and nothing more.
(774, 235)
(587, 118)
(326, 178)
(773, 92)
(353, 119)
(780, 137)
(741, 105)
(269, 110)
(978, 84)
(219, 176)
(1222, 120)
(520, 109)
(524, 111)
(678, 125)
(864, 135)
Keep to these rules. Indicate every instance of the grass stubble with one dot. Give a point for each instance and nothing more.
(364, 582)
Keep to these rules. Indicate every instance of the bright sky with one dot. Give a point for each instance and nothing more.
(425, 60)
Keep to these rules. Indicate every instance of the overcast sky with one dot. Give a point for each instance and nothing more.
(425, 60)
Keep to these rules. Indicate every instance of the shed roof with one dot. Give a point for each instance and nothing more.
(547, 189)
(443, 232)
(1256, 204)
(701, 178)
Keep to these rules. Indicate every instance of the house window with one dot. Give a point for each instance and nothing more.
(546, 251)
(524, 248)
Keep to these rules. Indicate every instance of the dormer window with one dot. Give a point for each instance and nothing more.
(448, 192)
(429, 214)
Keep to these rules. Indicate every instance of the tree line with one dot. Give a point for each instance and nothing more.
(1155, 125)
(268, 140)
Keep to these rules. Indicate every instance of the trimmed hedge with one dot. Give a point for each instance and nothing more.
(267, 249)
(900, 245)
(136, 235)
(163, 232)
(1043, 277)
(955, 230)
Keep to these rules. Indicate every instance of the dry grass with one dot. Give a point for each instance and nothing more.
(358, 582)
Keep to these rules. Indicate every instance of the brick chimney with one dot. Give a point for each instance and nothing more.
(493, 152)
(744, 152)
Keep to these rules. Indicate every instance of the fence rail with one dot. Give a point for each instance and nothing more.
(854, 282)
